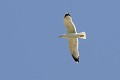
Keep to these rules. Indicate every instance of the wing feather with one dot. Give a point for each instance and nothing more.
(73, 45)
(69, 24)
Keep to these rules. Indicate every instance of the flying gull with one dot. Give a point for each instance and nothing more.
(72, 36)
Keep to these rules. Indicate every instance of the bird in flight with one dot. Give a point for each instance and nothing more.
(72, 36)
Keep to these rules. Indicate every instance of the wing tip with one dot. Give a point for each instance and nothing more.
(76, 59)
(77, 62)
(67, 14)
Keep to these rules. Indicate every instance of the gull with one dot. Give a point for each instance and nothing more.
(72, 36)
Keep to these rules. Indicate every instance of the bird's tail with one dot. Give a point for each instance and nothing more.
(82, 35)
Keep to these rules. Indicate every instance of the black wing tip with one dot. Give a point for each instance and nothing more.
(76, 59)
(67, 14)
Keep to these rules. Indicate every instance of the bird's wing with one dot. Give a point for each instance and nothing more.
(69, 24)
(73, 45)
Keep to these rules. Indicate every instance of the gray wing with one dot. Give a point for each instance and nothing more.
(73, 45)
(69, 24)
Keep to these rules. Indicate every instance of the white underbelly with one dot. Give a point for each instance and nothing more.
(71, 35)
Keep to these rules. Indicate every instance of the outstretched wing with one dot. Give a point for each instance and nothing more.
(69, 24)
(73, 45)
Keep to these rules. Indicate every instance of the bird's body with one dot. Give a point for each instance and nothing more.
(72, 36)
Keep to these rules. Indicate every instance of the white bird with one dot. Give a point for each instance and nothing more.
(72, 36)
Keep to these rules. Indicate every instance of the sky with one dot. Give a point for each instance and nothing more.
(31, 50)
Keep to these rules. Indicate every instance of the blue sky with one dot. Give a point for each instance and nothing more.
(31, 50)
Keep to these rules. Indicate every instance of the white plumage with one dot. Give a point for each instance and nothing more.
(72, 36)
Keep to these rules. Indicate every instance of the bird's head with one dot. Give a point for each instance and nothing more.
(61, 36)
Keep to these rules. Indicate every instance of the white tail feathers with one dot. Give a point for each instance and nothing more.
(82, 35)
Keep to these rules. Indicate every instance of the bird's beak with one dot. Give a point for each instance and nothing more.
(60, 36)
